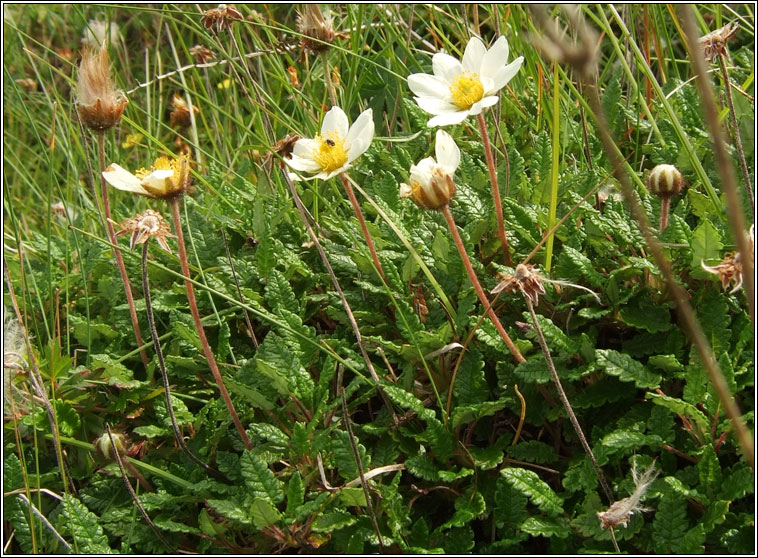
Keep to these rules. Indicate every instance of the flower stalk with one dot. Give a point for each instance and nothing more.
(495, 187)
(477, 286)
(565, 400)
(359, 215)
(162, 367)
(174, 203)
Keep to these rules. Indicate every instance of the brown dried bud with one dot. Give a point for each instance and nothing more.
(99, 104)
(180, 115)
(201, 54)
(665, 181)
(222, 17)
(317, 29)
(714, 43)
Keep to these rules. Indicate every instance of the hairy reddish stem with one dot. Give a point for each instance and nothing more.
(362, 221)
(495, 187)
(116, 251)
(174, 203)
(477, 287)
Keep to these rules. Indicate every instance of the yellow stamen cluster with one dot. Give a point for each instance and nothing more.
(466, 90)
(330, 153)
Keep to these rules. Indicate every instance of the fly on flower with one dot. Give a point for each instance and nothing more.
(335, 148)
(462, 88)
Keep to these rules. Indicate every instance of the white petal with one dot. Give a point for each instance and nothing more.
(495, 58)
(327, 176)
(426, 85)
(472, 56)
(360, 135)
(422, 172)
(448, 154)
(448, 118)
(122, 179)
(479, 106)
(303, 164)
(157, 179)
(304, 148)
(446, 66)
(504, 75)
(435, 106)
(335, 121)
(405, 190)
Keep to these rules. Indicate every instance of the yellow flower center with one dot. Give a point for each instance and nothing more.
(466, 90)
(330, 152)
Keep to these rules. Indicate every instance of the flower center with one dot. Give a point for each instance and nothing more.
(466, 90)
(330, 152)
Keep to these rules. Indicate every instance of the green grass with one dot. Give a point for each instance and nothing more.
(467, 485)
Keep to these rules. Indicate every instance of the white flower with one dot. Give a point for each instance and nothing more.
(166, 178)
(459, 89)
(335, 148)
(431, 181)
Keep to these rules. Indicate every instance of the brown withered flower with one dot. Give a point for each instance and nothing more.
(180, 114)
(316, 27)
(730, 270)
(714, 43)
(222, 17)
(525, 279)
(99, 103)
(201, 54)
(147, 224)
(285, 146)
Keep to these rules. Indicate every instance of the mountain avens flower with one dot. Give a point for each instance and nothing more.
(462, 88)
(431, 183)
(166, 179)
(99, 104)
(335, 148)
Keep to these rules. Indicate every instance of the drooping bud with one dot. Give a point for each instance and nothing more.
(665, 180)
(103, 444)
(99, 104)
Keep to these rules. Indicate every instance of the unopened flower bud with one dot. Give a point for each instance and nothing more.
(103, 444)
(665, 181)
(99, 104)
(431, 181)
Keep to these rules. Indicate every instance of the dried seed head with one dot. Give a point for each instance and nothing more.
(621, 511)
(714, 43)
(201, 54)
(222, 17)
(103, 444)
(665, 181)
(730, 270)
(180, 115)
(147, 224)
(284, 146)
(14, 364)
(525, 279)
(316, 28)
(99, 104)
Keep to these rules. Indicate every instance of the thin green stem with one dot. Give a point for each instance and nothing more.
(477, 286)
(174, 203)
(554, 171)
(495, 187)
